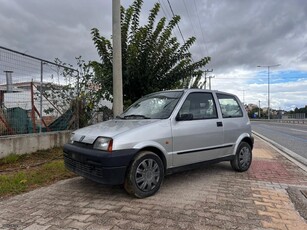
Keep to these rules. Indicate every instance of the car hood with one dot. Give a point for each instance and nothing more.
(109, 128)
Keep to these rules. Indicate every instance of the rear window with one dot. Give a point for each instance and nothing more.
(229, 105)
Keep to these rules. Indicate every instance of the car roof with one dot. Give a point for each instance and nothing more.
(189, 90)
(197, 90)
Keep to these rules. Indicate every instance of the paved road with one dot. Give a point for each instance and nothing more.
(291, 136)
(209, 198)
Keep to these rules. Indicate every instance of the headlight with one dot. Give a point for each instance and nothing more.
(71, 138)
(103, 143)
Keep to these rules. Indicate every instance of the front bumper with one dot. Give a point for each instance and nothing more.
(100, 166)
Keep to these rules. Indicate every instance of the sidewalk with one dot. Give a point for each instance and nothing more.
(268, 196)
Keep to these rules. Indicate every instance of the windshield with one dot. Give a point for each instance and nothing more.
(153, 106)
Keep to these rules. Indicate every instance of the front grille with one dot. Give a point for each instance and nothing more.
(83, 145)
(82, 167)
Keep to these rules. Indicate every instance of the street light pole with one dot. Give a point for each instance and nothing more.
(268, 66)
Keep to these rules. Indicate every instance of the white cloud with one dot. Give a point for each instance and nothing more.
(238, 35)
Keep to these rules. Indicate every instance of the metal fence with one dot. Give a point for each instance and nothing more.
(34, 96)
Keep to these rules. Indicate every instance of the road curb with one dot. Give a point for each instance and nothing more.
(290, 155)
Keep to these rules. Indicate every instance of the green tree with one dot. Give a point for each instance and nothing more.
(152, 58)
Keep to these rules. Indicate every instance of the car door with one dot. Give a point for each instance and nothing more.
(234, 121)
(197, 131)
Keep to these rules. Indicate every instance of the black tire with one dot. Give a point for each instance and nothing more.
(243, 158)
(145, 175)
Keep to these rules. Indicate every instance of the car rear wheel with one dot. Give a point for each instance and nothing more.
(243, 158)
(145, 175)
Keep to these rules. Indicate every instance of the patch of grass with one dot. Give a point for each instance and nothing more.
(10, 159)
(52, 169)
(12, 184)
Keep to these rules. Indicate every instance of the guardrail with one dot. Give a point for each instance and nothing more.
(292, 121)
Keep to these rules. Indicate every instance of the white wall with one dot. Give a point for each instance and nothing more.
(28, 143)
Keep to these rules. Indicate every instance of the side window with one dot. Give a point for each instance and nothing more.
(229, 105)
(198, 106)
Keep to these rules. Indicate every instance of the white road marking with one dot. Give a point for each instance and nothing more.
(299, 130)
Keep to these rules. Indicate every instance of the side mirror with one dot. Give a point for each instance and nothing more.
(184, 117)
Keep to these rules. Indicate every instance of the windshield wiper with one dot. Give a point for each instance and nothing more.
(135, 116)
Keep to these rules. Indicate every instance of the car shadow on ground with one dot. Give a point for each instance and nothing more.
(174, 181)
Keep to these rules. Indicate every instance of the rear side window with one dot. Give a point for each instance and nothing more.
(199, 106)
(229, 105)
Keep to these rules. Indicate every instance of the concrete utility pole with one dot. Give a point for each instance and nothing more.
(207, 71)
(117, 60)
(210, 77)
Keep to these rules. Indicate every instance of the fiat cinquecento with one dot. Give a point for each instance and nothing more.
(162, 133)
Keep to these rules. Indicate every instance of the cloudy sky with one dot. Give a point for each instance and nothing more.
(238, 35)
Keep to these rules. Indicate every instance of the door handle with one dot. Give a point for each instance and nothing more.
(219, 124)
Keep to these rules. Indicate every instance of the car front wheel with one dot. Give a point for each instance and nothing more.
(243, 158)
(145, 175)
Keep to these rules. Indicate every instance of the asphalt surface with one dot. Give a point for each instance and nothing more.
(291, 136)
(267, 196)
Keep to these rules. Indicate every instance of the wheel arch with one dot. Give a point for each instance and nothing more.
(249, 141)
(244, 138)
(152, 149)
(158, 152)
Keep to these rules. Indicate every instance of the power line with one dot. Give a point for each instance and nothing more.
(190, 19)
(200, 26)
(201, 29)
(170, 6)
(164, 9)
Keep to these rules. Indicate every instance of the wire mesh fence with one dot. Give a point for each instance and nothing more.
(36, 95)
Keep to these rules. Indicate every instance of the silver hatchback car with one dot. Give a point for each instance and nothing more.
(162, 133)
